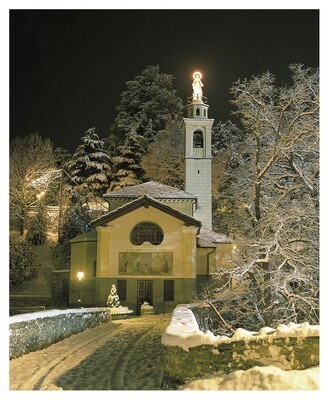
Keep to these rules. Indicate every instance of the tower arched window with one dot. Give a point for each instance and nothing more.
(146, 232)
(198, 140)
(197, 112)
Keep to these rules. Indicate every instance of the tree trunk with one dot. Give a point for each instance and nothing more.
(21, 223)
(267, 295)
(257, 201)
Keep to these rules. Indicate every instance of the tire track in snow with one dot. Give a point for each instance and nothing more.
(35, 381)
(124, 355)
(117, 380)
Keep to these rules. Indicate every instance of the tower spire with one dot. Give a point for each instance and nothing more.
(198, 152)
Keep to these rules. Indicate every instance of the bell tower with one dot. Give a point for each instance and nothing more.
(198, 152)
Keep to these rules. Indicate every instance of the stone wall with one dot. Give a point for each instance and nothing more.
(30, 332)
(190, 353)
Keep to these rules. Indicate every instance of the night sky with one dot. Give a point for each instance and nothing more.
(68, 68)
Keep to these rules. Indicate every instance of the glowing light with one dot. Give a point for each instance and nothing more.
(80, 275)
(197, 86)
(197, 73)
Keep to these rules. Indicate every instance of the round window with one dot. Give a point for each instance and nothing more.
(146, 232)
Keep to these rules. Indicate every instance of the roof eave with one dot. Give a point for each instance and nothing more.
(144, 201)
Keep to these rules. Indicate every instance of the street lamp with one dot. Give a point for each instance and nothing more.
(80, 276)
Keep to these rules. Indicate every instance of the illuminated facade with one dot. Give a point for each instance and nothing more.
(156, 243)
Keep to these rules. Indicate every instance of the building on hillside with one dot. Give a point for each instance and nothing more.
(156, 243)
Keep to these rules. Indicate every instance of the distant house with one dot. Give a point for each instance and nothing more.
(156, 243)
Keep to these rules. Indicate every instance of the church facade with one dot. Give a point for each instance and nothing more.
(156, 243)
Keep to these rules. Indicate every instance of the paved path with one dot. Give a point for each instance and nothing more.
(123, 355)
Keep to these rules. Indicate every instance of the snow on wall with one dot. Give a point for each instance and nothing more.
(190, 353)
(183, 331)
(30, 332)
(53, 313)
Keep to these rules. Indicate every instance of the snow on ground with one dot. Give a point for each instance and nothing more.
(183, 331)
(259, 378)
(120, 310)
(123, 355)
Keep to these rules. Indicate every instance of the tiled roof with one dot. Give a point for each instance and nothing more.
(143, 201)
(214, 237)
(152, 189)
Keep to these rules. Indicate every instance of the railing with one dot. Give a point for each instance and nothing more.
(191, 98)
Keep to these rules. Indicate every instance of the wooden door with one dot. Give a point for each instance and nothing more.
(144, 293)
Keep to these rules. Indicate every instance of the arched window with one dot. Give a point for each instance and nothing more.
(204, 112)
(146, 232)
(197, 112)
(198, 139)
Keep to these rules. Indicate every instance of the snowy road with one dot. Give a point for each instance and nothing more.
(124, 355)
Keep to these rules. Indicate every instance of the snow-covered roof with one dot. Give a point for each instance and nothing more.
(90, 236)
(213, 237)
(153, 189)
(144, 201)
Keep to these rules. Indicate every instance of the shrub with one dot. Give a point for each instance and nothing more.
(37, 228)
(23, 263)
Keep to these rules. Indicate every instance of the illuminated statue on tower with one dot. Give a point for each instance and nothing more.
(197, 86)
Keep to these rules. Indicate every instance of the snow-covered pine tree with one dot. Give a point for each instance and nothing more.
(90, 165)
(148, 104)
(113, 300)
(37, 227)
(127, 164)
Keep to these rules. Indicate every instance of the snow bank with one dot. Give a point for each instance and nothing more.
(183, 331)
(259, 378)
(190, 353)
(120, 310)
(30, 332)
(146, 309)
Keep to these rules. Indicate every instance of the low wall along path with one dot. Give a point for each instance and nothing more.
(191, 353)
(35, 331)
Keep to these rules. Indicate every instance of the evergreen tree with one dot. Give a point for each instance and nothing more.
(61, 156)
(90, 166)
(127, 164)
(113, 300)
(37, 228)
(148, 104)
(76, 221)
(23, 263)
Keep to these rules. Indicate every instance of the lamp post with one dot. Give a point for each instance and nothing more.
(80, 276)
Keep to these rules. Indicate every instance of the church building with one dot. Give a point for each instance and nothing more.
(156, 243)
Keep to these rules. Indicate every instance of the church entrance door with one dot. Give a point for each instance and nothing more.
(144, 293)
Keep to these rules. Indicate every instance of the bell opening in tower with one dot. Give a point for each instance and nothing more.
(198, 140)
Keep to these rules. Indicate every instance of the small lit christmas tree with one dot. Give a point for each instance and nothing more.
(113, 300)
